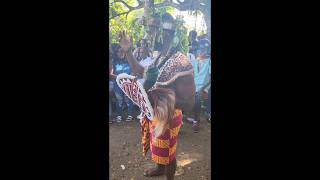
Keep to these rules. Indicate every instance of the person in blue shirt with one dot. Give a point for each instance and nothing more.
(120, 65)
(202, 77)
(110, 85)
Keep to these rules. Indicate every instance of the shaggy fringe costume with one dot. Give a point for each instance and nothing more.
(163, 148)
(160, 135)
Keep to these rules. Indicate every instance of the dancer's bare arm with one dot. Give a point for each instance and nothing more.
(126, 47)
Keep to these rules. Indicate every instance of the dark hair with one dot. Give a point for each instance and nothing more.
(204, 45)
(138, 44)
(115, 48)
(193, 33)
(145, 41)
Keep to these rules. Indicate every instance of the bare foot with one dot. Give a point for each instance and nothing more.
(154, 172)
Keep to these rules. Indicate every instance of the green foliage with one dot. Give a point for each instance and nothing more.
(167, 9)
(135, 30)
(129, 22)
(180, 40)
(158, 1)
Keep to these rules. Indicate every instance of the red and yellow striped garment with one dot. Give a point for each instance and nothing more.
(163, 148)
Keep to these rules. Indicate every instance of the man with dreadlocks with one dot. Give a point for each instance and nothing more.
(170, 87)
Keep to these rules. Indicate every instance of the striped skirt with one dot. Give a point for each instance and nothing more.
(163, 148)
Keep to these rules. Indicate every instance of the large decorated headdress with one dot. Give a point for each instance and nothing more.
(164, 21)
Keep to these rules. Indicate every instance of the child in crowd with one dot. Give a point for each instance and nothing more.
(202, 77)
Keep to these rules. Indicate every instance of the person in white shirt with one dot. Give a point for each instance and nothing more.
(142, 51)
(144, 56)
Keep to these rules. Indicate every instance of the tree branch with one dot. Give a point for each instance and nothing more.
(184, 6)
(121, 1)
(119, 15)
(130, 9)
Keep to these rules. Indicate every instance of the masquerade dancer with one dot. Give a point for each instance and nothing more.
(170, 86)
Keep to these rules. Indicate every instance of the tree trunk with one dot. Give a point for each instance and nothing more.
(148, 7)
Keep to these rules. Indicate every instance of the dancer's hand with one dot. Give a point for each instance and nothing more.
(125, 42)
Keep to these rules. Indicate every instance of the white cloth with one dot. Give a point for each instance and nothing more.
(146, 62)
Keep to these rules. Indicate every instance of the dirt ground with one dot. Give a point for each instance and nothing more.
(193, 153)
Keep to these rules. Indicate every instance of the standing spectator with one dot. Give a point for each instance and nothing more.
(193, 45)
(111, 87)
(208, 108)
(120, 65)
(138, 44)
(111, 84)
(143, 55)
(202, 78)
(143, 51)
